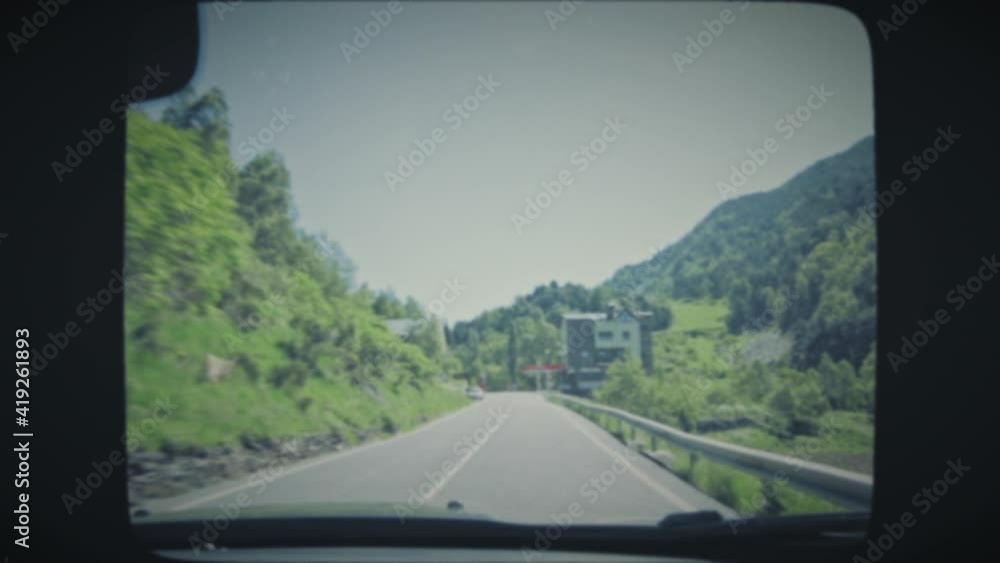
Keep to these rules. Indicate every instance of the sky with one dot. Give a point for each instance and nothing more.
(557, 80)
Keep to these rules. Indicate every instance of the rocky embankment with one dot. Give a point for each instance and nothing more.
(173, 471)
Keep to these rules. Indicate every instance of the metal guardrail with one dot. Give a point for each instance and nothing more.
(847, 488)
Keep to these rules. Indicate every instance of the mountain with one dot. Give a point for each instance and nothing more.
(787, 275)
(249, 324)
(800, 258)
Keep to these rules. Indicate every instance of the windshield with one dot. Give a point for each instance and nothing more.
(563, 262)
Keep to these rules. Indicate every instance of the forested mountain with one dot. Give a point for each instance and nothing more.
(765, 318)
(219, 270)
(797, 258)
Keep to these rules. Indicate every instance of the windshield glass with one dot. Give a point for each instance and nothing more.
(532, 262)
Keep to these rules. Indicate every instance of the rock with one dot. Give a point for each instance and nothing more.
(217, 368)
(176, 470)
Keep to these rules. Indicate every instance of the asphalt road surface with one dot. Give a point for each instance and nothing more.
(510, 456)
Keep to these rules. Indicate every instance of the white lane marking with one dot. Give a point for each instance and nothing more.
(447, 476)
(320, 460)
(664, 492)
(458, 466)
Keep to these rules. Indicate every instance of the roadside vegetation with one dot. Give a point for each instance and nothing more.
(766, 406)
(218, 269)
(763, 333)
(763, 316)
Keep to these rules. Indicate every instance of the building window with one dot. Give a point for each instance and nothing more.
(604, 335)
(626, 334)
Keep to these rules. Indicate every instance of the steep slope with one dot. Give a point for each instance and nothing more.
(217, 268)
(792, 258)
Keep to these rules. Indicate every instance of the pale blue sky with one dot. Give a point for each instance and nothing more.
(451, 219)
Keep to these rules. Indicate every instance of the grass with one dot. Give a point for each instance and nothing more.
(748, 494)
(698, 337)
(694, 337)
(693, 343)
(849, 444)
(694, 316)
(238, 406)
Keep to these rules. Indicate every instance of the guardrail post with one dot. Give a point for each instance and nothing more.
(838, 485)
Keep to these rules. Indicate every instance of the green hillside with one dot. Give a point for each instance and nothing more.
(800, 246)
(764, 331)
(217, 267)
(773, 298)
(765, 318)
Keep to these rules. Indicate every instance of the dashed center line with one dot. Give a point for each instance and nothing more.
(310, 463)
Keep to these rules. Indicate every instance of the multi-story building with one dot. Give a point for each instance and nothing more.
(592, 341)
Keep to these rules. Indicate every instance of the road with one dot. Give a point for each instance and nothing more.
(511, 456)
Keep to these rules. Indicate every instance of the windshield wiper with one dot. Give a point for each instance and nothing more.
(845, 525)
(676, 520)
(697, 534)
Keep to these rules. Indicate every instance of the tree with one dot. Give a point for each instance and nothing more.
(662, 316)
(512, 351)
(866, 382)
(538, 342)
(414, 310)
(755, 382)
(427, 337)
(809, 396)
(225, 271)
(208, 114)
(740, 308)
(387, 305)
(838, 381)
(799, 399)
(469, 354)
(264, 201)
(783, 402)
(623, 385)
(336, 256)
